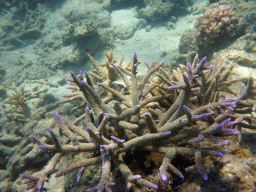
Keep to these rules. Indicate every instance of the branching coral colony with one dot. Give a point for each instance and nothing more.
(171, 114)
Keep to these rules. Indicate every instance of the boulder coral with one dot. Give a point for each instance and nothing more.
(216, 26)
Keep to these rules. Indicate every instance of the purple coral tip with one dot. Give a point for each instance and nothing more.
(134, 178)
(173, 87)
(117, 140)
(56, 114)
(184, 76)
(209, 67)
(219, 154)
(50, 130)
(225, 153)
(198, 139)
(225, 142)
(33, 137)
(205, 176)
(235, 132)
(154, 186)
(137, 177)
(166, 133)
(22, 175)
(164, 177)
(232, 123)
(186, 109)
(204, 59)
(42, 146)
(43, 134)
(80, 173)
(205, 115)
(227, 121)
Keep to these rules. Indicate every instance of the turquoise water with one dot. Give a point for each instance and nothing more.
(41, 41)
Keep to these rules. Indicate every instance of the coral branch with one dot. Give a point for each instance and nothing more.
(105, 180)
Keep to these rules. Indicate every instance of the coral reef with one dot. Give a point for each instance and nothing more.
(183, 114)
(217, 25)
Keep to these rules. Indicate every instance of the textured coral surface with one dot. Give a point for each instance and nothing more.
(215, 26)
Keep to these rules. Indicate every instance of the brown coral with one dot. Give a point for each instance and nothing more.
(215, 26)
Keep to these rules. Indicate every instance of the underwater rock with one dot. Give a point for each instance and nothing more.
(187, 42)
(156, 11)
(239, 172)
(242, 58)
(124, 23)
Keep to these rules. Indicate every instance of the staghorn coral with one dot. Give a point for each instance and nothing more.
(107, 75)
(215, 26)
(192, 110)
(17, 109)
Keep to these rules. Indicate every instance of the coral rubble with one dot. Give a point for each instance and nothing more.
(183, 113)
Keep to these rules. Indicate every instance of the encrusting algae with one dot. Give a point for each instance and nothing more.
(242, 153)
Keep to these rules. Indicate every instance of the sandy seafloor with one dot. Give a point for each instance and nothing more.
(39, 66)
